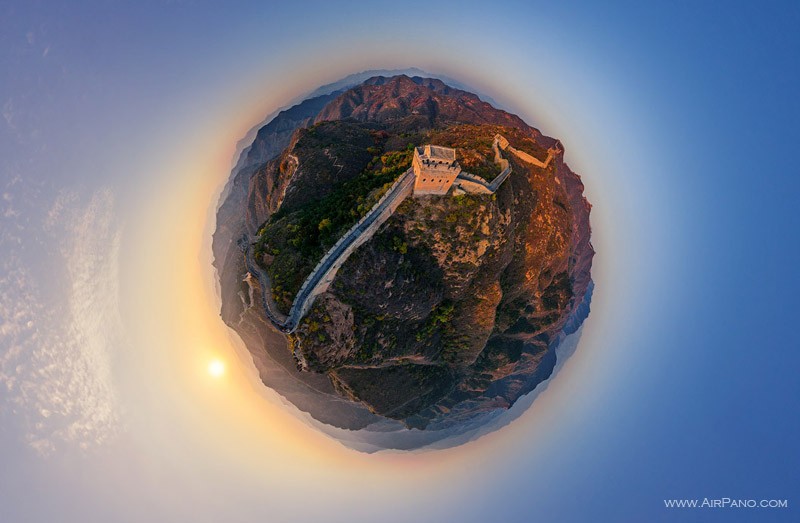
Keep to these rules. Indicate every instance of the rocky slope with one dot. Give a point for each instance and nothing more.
(455, 306)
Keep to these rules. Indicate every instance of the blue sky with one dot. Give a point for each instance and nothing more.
(119, 122)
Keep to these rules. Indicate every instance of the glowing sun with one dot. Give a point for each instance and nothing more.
(216, 368)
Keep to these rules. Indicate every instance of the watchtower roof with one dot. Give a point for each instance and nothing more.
(436, 153)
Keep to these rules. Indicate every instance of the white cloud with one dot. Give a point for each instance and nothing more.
(8, 114)
(56, 346)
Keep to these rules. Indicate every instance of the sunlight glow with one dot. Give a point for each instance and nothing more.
(216, 368)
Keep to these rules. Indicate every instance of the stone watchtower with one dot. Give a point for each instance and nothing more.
(435, 168)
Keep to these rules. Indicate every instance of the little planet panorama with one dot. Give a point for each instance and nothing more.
(402, 260)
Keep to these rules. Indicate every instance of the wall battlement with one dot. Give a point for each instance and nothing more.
(501, 142)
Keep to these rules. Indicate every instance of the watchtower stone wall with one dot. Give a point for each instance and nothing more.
(435, 168)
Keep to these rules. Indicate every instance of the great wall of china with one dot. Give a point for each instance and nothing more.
(323, 274)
